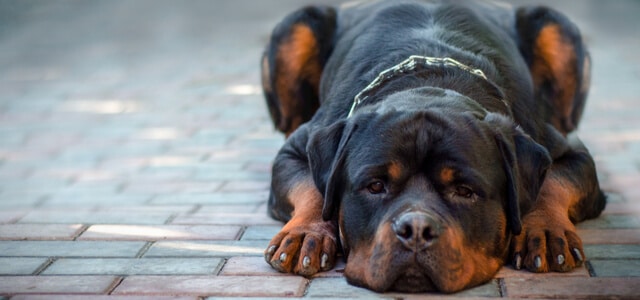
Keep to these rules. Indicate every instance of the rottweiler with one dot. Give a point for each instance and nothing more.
(429, 142)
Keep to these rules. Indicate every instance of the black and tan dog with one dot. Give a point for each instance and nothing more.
(429, 141)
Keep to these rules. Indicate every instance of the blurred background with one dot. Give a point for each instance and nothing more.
(147, 98)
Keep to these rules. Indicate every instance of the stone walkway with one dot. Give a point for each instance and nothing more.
(135, 155)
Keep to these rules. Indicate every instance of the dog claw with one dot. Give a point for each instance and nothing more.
(537, 262)
(306, 262)
(518, 262)
(268, 254)
(283, 257)
(560, 259)
(577, 255)
(323, 261)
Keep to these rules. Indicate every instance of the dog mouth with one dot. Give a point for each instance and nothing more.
(413, 280)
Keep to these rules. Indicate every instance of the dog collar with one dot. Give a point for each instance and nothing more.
(409, 65)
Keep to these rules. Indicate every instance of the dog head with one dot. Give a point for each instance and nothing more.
(427, 188)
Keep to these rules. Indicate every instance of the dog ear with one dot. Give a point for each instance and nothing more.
(326, 151)
(525, 163)
(558, 61)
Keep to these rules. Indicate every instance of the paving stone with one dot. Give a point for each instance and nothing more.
(160, 232)
(75, 189)
(611, 222)
(20, 200)
(609, 251)
(618, 206)
(39, 231)
(99, 297)
(616, 268)
(18, 185)
(509, 272)
(164, 187)
(160, 174)
(226, 155)
(20, 265)
(572, 287)
(134, 266)
(92, 200)
(259, 167)
(206, 249)
(250, 298)
(248, 266)
(339, 288)
(56, 284)
(70, 248)
(239, 176)
(245, 186)
(11, 215)
(211, 199)
(256, 266)
(226, 219)
(230, 208)
(279, 286)
(337, 271)
(485, 291)
(625, 182)
(261, 232)
(93, 217)
(144, 209)
(622, 208)
(633, 194)
(610, 236)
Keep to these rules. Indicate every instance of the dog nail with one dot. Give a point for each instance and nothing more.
(577, 254)
(324, 260)
(283, 257)
(268, 254)
(271, 250)
(537, 262)
(518, 262)
(306, 262)
(560, 259)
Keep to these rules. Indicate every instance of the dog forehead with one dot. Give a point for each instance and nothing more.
(415, 137)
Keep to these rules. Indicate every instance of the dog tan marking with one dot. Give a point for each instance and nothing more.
(586, 75)
(555, 61)
(298, 60)
(362, 270)
(474, 266)
(447, 175)
(564, 194)
(265, 75)
(306, 199)
(395, 171)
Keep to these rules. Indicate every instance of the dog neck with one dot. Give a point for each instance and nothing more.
(413, 64)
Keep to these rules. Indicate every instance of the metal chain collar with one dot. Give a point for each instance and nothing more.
(411, 64)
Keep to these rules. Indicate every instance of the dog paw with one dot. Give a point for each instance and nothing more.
(303, 249)
(548, 242)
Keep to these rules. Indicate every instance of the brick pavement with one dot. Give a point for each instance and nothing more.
(135, 151)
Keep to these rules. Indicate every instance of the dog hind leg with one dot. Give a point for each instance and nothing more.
(558, 61)
(292, 65)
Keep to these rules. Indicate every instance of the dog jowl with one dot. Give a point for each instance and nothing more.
(430, 143)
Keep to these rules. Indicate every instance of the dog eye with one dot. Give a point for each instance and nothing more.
(463, 191)
(376, 187)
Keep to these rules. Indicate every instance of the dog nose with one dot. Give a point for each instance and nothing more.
(416, 230)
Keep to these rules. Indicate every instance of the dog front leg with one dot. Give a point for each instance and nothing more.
(306, 244)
